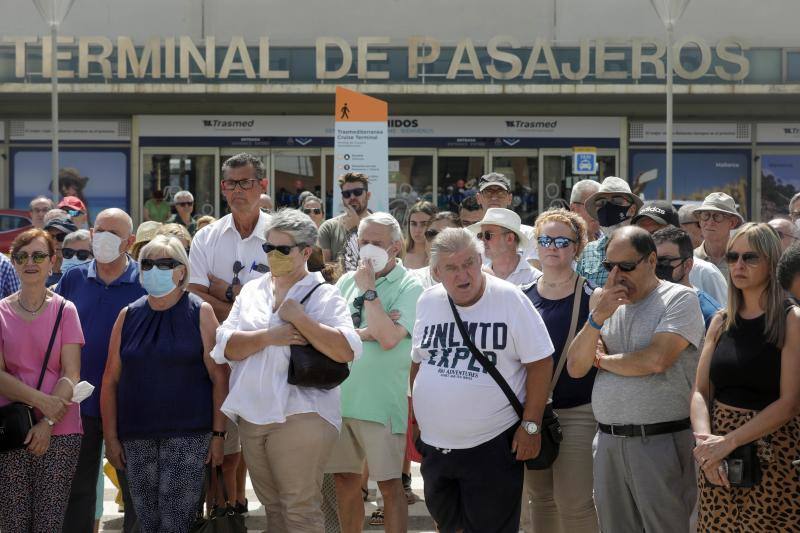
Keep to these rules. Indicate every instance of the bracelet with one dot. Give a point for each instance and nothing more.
(65, 378)
(220, 434)
(594, 324)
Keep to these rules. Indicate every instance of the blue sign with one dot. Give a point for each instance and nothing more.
(584, 162)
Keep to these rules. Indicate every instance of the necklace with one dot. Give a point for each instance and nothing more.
(554, 284)
(35, 311)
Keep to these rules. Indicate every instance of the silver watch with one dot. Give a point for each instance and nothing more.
(530, 427)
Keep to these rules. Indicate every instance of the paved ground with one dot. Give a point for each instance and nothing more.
(419, 519)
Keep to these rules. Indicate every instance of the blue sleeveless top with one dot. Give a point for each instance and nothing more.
(164, 389)
(557, 316)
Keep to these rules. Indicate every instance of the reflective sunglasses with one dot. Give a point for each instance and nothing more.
(624, 266)
(545, 241)
(74, 212)
(310, 210)
(352, 192)
(82, 255)
(284, 249)
(750, 259)
(185, 204)
(705, 216)
(161, 264)
(245, 185)
(21, 258)
(431, 234)
(487, 235)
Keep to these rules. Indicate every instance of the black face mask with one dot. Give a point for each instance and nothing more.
(666, 273)
(612, 214)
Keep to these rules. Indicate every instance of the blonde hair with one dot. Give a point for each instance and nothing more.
(176, 230)
(204, 221)
(763, 239)
(172, 248)
(569, 219)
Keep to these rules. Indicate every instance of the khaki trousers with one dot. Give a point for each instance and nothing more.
(285, 462)
(559, 499)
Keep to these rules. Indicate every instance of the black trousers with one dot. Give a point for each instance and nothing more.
(83, 494)
(477, 490)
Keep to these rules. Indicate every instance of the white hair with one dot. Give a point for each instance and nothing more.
(454, 240)
(794, 199)
(294, 223)
(79, 235)
(171, 247)
(384, 219)
(42, 198)
(182, 196)
(582, 190)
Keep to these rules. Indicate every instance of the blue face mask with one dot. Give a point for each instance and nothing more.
(157, 282)
(72, 262)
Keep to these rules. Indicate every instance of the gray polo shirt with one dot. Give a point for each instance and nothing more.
(664, 397)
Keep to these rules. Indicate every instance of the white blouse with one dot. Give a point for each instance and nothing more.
(259, 392)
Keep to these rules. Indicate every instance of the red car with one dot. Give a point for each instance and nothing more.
(12, 223)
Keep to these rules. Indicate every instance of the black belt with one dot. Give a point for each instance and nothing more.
(645, 430)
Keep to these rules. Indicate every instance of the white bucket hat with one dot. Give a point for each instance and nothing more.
(611, 186)
(505, 218)
(719, 201)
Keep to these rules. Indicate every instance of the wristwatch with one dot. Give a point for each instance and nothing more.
(530, 427)
(370, 295)
(221, 434)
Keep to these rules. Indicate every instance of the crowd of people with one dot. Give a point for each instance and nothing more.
(666, 342)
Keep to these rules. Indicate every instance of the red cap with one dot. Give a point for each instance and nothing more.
(72, 202)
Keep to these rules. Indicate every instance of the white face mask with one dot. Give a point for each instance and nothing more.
(376, 255)
(105, 246)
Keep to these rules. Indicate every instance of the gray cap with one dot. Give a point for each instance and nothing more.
(719, 201)
(686, 214)
(494, 178)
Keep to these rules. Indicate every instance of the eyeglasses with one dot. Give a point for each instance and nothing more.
(74, 212)
(188, 204)
(40, 210)
(494, 191)
(487, 235)
(624, 266)
(358, 303)
(705, 216)
(545, 241)
(750, 259)
(161, 264)
(352, 192)
(314, 210)
(21, 258)
(666, 261)
(431, 234)
(237, 267)
(622, 201)
(284, 249)
(82, 255)
(245, 185)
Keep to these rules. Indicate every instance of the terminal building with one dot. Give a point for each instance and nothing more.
(155, 94)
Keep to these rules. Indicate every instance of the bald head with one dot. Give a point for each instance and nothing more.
(117, 219)
(787, 230)
(639, 238)
(265, 202)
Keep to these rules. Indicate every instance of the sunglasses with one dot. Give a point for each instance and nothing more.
(622, 201)
(74, 212)
(716, 216)
(352, 192)
(161, 264)
(545, 241)
(21, 258)
(82, 255)
(624, 266)
(750, 259)
(487, 235)
(237, 267)
(284, 249)
(358, 303)
(314, 210)
(59, 236)
(245, 185)
(667, 261)
(494, 191)
(185, 204)
(431, 234)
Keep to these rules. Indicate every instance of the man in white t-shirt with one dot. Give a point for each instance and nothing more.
(471, 439)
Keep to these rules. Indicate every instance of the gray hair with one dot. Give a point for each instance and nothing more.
(296, 224)
(80, 235)
(384, 219)
(582, 190)
(56, 213)
(171, 247)
(454, 240)
(312, 198)
(794, 199)
(182, 196)
(42, 198)
(242, 160)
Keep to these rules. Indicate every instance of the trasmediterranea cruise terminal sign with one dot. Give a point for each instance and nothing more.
(503, 58)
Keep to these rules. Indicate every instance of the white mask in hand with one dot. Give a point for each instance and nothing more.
(376, 255)
(105, 246)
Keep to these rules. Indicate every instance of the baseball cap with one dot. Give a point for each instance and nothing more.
(494, 178)
(62, 225)
(72, 202)
(659, 210)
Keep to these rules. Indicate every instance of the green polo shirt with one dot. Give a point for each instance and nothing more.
(378, 383)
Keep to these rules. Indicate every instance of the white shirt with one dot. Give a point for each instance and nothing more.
(707, 277)
(524, 273)
(424, 276)
(457, 404)
(530, 251)
(259, 392)
(216, 248)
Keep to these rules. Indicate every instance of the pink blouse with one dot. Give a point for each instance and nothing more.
(23, 344)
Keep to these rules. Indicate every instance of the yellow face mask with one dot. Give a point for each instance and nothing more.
(279, 264)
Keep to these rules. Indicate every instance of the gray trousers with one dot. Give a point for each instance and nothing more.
(644, 484)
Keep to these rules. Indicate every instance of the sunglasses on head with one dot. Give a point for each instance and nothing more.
(161, 264)
(82, 255)
(624, 266)
(184, 204)
(431, 234)
(21, 258)
(284, 249)
(750, 259)
(310, 210)
(352, 192)
(545, 241)
(487, 235)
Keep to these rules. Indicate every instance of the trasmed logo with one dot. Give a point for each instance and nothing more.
(532, 124)
(228, 124)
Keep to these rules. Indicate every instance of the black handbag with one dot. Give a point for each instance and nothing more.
(308, 367)
(17, 419)
(223, 519)
(743, 466)
(551, 428)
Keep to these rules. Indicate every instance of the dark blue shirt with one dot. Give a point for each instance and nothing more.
(98, 307)
(708, 305)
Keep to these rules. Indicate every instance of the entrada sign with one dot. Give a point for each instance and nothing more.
(511, 60)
